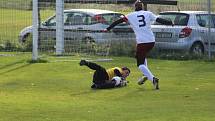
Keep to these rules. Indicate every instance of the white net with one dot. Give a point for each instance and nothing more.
(82, 30)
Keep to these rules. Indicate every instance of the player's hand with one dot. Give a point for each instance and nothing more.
(173, 24)
(123, 83)
(104, 30)
(123, 78)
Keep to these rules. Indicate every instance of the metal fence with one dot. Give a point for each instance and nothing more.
(15, 15)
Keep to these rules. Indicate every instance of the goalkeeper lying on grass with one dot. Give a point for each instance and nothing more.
(110, 78)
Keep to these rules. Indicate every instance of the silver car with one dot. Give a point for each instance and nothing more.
(84, 25)
(189, 34)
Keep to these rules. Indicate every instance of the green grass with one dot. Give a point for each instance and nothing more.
(16, 4)
(13, 21)
(60, 91)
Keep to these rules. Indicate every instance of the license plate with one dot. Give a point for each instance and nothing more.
(163, 35)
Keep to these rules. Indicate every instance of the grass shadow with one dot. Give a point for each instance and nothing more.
(16, 68)
(12, 64)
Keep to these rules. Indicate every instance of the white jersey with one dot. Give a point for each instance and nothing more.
(140, 22)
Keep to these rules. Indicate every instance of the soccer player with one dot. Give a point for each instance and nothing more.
(103, 79)
(140, 22)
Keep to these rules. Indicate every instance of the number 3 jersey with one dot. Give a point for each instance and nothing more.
(140, 22)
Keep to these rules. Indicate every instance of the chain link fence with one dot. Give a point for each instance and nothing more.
(16, 15)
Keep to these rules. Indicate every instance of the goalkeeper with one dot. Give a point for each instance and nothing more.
(103, 79)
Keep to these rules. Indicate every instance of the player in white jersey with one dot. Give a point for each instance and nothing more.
(140, 22)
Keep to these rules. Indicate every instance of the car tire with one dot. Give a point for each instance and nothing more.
(27, 42)
(197, 49)
(26, 37)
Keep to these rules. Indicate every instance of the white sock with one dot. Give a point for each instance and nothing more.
(146, 72)
(145, 63)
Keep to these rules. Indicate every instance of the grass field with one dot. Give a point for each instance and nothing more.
(60, 91)
(13, 21)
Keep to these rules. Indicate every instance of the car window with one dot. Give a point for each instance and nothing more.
(203, 20)
(110, 18)
(107, 18)
(67, 18)
(74, 18)
(213, 20)
(51, 21)
(88, 20)
(179, 19)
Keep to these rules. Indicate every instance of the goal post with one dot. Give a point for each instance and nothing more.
(55, 43)
(35, 30)
(59, 27)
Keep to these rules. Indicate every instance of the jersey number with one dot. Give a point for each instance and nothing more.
(142, 20)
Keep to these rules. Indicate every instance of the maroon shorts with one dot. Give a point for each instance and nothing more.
(142, 50)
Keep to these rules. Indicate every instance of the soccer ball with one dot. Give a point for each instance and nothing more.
(117, 79)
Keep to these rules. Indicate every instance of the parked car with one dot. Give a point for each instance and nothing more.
(84, 25)
(190, 32)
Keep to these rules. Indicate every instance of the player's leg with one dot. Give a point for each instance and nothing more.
(146, 71)
(91, 65)
(149, 76)
(142, 50)
(141, 53)
(146, 63)
(100, 75)
(143, 79)
(156, 82)
(99, 78)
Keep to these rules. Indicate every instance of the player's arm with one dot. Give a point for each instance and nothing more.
(164, 21)
(117, 73)
(112, 84)
(121, 20)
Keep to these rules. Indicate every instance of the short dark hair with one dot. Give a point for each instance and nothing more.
(126, 68)
(138, 5)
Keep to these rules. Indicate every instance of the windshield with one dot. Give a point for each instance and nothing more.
(179, 19)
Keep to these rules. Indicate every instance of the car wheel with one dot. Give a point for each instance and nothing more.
(197, 49)
(27, 42)
(26, 37)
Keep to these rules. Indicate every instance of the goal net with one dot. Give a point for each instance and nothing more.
(60, 30)
(76, 27)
